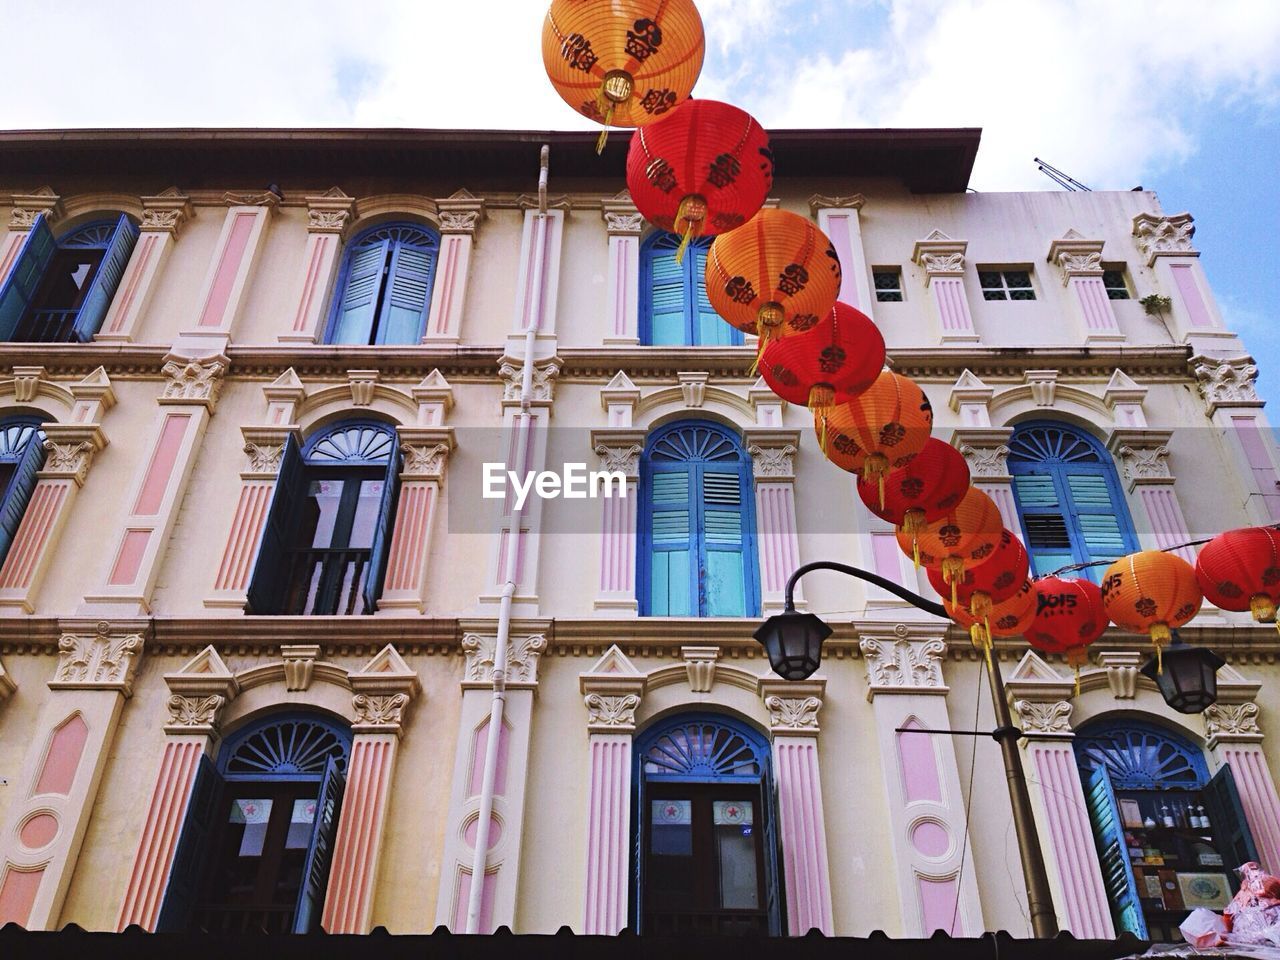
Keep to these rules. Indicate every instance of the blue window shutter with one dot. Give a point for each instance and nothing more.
(723, 583)
(1097, 520)
(671, 561)
(192, 853)
(404, 307)
(1113, 854)
(270, 581)
(1231, 833)
(774, 898)
(668, 317)
(18, 494)
(98, 300)
(382, 535)
(28, 270)
(711, 330)
(353, 320)
(1044, 523)
(315, 872)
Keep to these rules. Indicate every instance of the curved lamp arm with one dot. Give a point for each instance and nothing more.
(896, 589)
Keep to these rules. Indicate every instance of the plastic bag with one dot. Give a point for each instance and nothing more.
(1203, 928)
(1253, 915)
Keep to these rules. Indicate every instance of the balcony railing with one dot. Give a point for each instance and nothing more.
(326, 582)
(687, 923)
(47, 326)
(228, 919)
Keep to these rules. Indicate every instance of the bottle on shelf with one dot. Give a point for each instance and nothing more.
(1203, 818)
(1149, 823)
(1166, 815)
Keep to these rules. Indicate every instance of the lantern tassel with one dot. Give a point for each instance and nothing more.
(821, 398)
(1160, 635)
(1077, 657)
(604, 134)
(684, 241)
(915, 551)
(980, 635)
(1262, 607)
(954, 586)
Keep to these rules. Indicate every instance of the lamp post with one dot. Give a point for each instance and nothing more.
(793, 642)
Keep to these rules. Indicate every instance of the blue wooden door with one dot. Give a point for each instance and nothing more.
(1113, 854)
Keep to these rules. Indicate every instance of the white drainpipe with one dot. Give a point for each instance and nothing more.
(522, 421)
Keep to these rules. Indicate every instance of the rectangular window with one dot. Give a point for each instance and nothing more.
(1115, 282)
(888, 282)
(1005, 284)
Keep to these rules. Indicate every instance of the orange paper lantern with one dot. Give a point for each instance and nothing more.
(1240, 570)
(964, 538)
(881, 430)
(1151, 592)
(1011, 618)
(623, 63)
(990, 582)
(775, 276)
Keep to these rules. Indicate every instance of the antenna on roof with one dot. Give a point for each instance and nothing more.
(1063, 180)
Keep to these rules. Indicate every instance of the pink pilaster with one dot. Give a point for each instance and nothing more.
(953, 309)
(777, 539)
(943, 262)
(426, 454)
(246, 530)
(163, 218)
(1257, 449)
(1095, 308)
(624, 225)
(1168, 525)
(9, 247)
(328, 217)
(619, 451)
(348, 902)
(460, 218)
(608, 834)
(153, 859)
(804, 836)
(1258, 796)
(1001, 493)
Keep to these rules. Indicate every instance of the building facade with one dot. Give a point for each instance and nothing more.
(254, 563)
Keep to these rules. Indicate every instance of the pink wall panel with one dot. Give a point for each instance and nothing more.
(919, 763)
(886, 556)
(1255, 452)
(1189, 292)
(224, 279)
(446, 285)
(349, 899)
(160, 470)
(953, 306)
(479, 744)
(623, 252)
(618, 543)
(938, 906)
(18, 894)
(63, 759)
(839, 229)
(486, 901)
(129, 560)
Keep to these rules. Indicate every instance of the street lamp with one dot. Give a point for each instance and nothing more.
(793, 642)
(1189, 678)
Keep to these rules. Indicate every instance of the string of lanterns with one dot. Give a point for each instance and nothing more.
(700, 168)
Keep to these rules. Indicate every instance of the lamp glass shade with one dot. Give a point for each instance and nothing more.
(1189, 680)
(793, 643)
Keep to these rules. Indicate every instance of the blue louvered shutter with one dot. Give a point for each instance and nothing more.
(722, 578)
(193, 852)
(1113, 854)
(1096, 520)
(98, 300)
(712, 330)
(671, 559)
(668, 300)
(353, 320)
(382, 533)
(775, 897)
(18, 494)
(1045, 522)
(270, 583)
(24, 279)
(404, 307)
(1231, 834)
(324, 829)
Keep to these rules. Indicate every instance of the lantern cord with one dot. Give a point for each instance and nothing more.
(1073, 567)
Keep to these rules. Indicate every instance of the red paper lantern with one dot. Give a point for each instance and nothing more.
(923, 491)
(991, 582)
(703, 169)
(1240, 570)
(837, 360)
(964, 537)
(1069, 617)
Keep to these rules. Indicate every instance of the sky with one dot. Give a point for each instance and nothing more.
(1180, 96)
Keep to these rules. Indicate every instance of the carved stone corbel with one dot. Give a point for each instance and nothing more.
(28, 206)
(1076, 256)
(1122, 671)
(544, 381)
(198, 692)
(1143, 455)
(904, 659)
(193, 380)
(612, 691)
(70, 450)
(1226, 383)
(382, 691)
(522, 660)
(621, 218)
(461, 213)
(772, 452)
(299, 664)
(330, 212)
(700, 666)
(1164, 236)
(793, 705)
(940, 256)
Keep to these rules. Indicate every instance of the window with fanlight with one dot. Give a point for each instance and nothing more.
(674, 309)
(256, 845)
(384, 286)
(707, 858)
(325, 542)
(22, 455)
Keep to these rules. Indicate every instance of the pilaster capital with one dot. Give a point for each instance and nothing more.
(28, 206)
(1226, 383)
(166, 212)
(612, 691)
(107, 660)
(819, 202)
(903, 658)
(461, 213)
(1044, 717)
(621, 218)
(772, 452)
(940, 255)
(330, 212)
(70, 448)
(382, 691)
(426, 451)
(611, 712)
(250, 198)
(264, 448)
(985, 450)
(1232, 723)
(522, 660)
(1143, 455)
(193, 380)
(198, 692)
(542, 393)
(1076, 256)
(793, 705)
(1164, 236)
(619, 450)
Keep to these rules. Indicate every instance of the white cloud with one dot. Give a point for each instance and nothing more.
(1106, 90)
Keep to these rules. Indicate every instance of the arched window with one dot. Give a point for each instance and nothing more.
(384, 287)
(1069, 498)
(22, 454)
(59, 291)
(256, 845)
(674, 309)
(707, 850)
(1169, 836)
(325, 542)
(697, 541)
